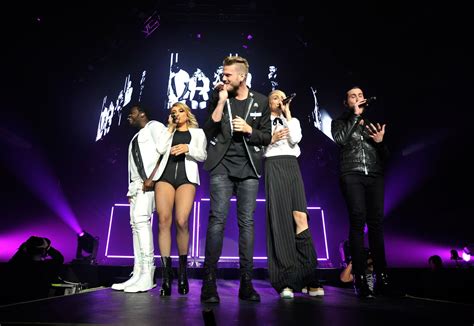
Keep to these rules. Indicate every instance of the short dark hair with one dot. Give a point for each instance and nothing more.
(35, 245)
(351, 88)
(141, 108)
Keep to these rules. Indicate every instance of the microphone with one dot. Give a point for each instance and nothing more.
(369, 100)
(175, 118)
(288, 99)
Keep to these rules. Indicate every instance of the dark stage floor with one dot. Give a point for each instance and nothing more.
(103, 306)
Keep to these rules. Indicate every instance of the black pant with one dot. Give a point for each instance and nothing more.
(364, 196)
(222, 188)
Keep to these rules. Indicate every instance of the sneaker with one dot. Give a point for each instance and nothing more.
(314, 292)
(287, 293)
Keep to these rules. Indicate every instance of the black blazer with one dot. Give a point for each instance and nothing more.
(219, 133)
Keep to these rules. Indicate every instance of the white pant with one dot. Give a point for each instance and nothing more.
(142, 205)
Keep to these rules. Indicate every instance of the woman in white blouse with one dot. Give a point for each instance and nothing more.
(182, 145)
(292, 259)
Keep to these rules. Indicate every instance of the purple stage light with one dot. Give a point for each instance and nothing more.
(62, 238)
(249, 37)
(466, 257)
(32, 168)
(11, 242)
(467, 252)
(88, 244)
(407, 252)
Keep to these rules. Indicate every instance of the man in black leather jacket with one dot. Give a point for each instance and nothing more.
(362, 157)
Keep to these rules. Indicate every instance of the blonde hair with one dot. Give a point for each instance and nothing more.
(231, 60)
(192, 122)
(277, 92)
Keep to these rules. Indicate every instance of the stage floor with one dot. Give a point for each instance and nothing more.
(103, 306)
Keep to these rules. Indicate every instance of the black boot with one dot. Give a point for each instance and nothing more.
(382, 284)
(183, 285)
(361, 287)
(246, 290)
(167, 276)
(209, 288)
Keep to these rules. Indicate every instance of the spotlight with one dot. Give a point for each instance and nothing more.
(466, 256)
(88, 244)
(467, 252)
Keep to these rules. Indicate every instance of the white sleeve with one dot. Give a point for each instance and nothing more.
(156, 129)
(197, 146)
(295, 135)
(164, 141)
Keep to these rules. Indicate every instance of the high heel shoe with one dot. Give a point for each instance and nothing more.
(167, 276)
(183, 285)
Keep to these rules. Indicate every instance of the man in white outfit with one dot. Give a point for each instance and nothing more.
(143, 160)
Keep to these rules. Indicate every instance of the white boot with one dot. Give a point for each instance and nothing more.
(145, 239)
(136, 265)
(130, 281)
(145, 282)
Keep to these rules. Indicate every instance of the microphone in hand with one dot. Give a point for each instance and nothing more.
(174, 118)
(368, 101)
(288, 99)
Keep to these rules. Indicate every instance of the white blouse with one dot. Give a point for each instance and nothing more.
(288, 146)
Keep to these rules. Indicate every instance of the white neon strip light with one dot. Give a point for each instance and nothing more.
(110, 229)
(197, 227)
(194, 230)
(325, 236)
(232, 199)
(108, 232)
(263, 258)
(123, 256)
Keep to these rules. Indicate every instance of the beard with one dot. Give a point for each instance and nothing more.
(232, 90)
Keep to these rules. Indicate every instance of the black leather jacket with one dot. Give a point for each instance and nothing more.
(358, 152)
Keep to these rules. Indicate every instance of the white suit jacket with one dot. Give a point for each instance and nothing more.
(147, 142)
(197, 153)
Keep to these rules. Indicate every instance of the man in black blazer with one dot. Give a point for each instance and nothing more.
(237, 129)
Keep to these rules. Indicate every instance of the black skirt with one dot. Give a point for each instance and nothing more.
(291, 261)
